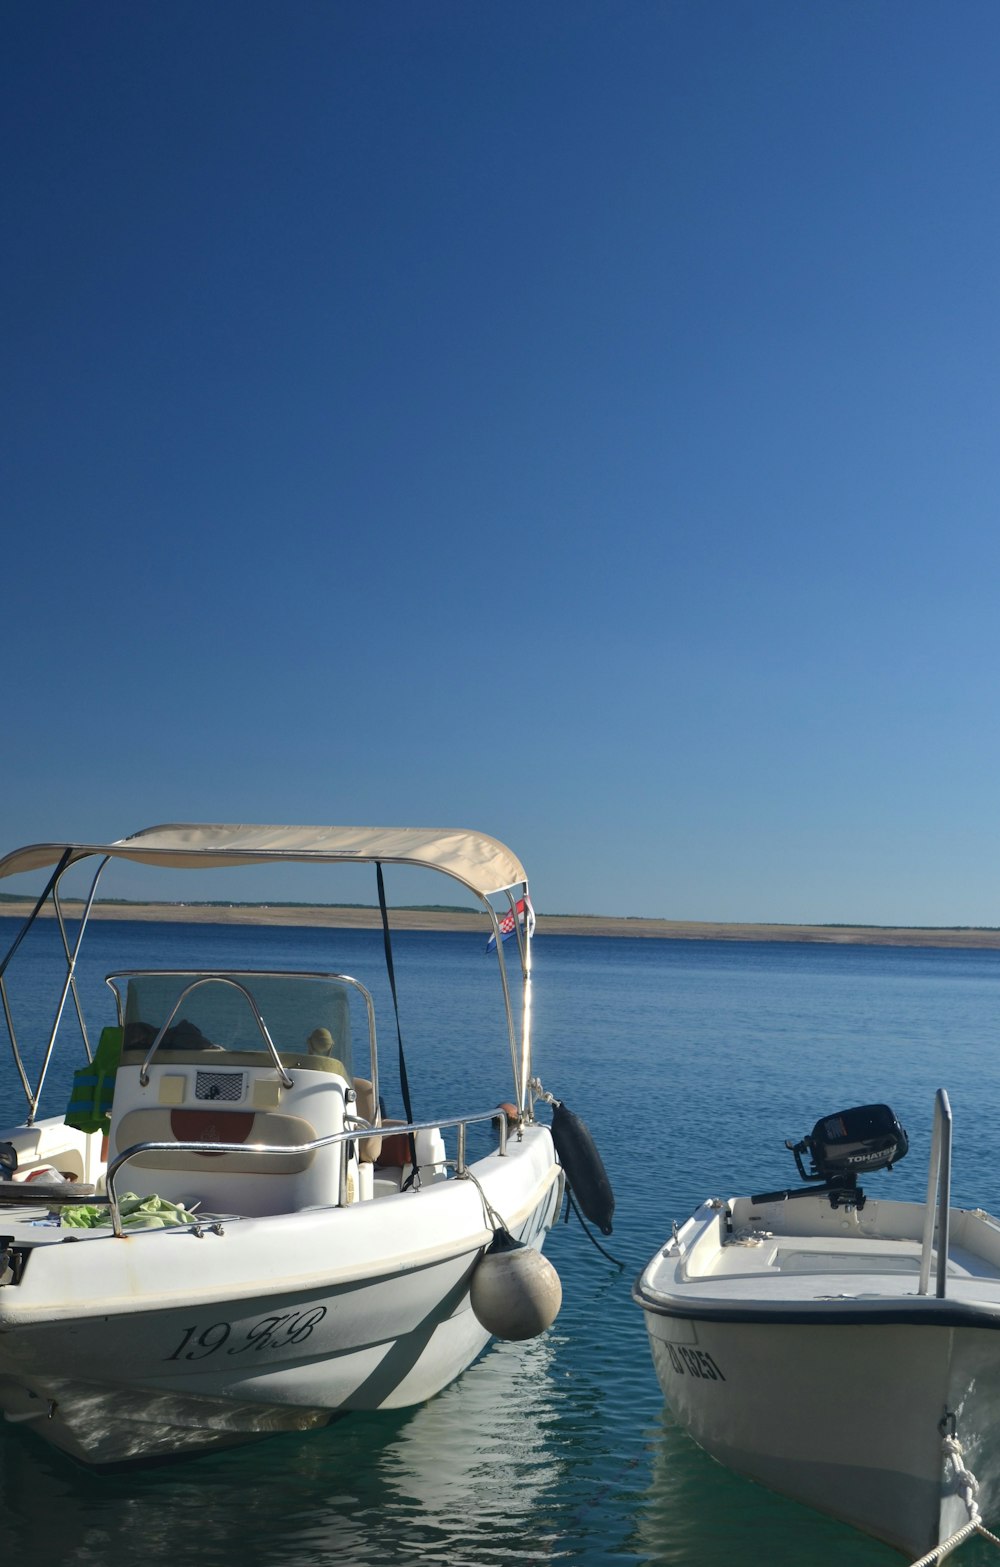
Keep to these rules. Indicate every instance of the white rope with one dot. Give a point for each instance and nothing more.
(968, 1485)
(535, 1084)
(494, 1221)
(968, 1489)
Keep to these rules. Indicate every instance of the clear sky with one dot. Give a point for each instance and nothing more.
(574, 420)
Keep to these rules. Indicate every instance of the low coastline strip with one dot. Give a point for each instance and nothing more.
(355, 918)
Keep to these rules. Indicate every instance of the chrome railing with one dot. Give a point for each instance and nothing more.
(236, 978)
(343, 1138)
(938, 1204)
(198, 984)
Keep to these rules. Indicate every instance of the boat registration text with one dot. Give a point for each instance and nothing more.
(275, 1332)
(693, 1363)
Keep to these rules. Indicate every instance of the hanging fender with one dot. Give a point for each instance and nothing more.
(515, 1292)
(584, 1167)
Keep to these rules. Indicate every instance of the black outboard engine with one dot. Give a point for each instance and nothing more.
(848, 1144)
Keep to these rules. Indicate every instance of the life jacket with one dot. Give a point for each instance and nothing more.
(89, 1108)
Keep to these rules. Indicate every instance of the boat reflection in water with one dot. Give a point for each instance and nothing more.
(467, 1478)
(471, 1471)
(700, 1514)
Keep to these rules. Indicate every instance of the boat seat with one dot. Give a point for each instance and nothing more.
(216, 1126)
(395, 1149)
(394, 1160)
(369, 1148)
(232, 1097)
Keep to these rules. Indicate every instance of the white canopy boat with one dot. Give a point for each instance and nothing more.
(281, 1255)
(842, 1349)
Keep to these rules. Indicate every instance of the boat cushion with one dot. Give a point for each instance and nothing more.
(396, 1150)
(369, 1148)
(158, 1126)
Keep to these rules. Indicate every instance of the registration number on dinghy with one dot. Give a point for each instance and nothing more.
(693, 1363)
(275, 1332)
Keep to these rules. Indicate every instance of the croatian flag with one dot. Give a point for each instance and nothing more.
(525, 916)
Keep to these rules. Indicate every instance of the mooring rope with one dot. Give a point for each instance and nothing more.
(572, 1203)
(494, 1220)
(968, 1488)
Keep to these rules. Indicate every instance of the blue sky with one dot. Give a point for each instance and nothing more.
(576, 421)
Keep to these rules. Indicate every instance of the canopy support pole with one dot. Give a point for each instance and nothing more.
(8, 1017)
(69, 983)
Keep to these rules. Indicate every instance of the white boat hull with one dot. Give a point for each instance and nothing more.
(166, 1341)
(818, 1442)
(342, 1281)
(839, 1396)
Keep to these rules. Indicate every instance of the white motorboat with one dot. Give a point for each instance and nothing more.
(282, 1255)
(841, 1348)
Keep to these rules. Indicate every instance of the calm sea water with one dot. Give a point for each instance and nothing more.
(691, 1063)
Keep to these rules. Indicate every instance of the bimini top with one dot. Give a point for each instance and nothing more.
(480, 863)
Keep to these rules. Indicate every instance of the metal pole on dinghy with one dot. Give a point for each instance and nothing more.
(939, 1187)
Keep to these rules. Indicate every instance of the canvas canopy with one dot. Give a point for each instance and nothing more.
(478, 862)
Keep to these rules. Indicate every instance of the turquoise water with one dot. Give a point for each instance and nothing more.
(691, 1063)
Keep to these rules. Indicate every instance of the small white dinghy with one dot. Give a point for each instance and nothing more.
(284, 1256)
(841, 1348)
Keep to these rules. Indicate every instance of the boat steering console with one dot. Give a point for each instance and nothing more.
(841, 1147)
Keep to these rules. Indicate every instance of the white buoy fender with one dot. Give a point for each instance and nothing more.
(515, 1291)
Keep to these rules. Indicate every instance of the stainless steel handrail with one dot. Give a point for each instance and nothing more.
(242, 974)
(939, 1187)
(362, 1129)
(196, 984)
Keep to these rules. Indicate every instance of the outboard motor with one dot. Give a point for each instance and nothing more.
(841, 1147)
(851, 1143)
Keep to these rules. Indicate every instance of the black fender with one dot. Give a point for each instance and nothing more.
(585, 1173)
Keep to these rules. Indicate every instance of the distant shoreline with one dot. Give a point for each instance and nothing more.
(330, 917)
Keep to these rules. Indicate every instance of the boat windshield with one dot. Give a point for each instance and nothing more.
(305, 1014)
